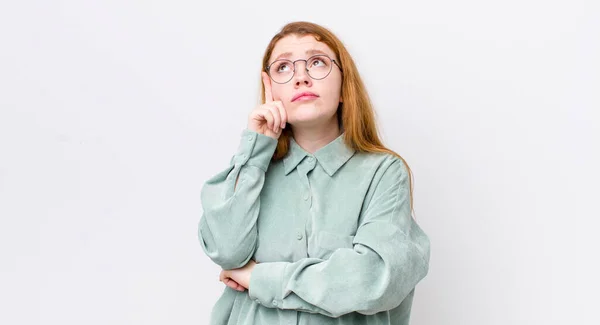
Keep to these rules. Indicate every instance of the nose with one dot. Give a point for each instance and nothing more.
(301, 75)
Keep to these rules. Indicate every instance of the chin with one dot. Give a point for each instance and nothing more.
(307, 120)
(308, 114)
(304, 116)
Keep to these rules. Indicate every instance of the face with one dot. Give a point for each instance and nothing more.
(307, 110)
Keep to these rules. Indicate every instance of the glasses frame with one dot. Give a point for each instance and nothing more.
(268, 68)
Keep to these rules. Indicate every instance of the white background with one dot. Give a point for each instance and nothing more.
(113, 114)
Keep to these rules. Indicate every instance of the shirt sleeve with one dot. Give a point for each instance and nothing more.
(390, 255)
(227, 228)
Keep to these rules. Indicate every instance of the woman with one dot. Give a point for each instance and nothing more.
(311, 221)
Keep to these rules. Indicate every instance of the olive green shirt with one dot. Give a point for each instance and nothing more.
(332, 233)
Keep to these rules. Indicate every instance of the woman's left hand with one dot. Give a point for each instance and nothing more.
(240, 275)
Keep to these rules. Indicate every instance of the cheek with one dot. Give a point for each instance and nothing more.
(333, 93)
(279, 91)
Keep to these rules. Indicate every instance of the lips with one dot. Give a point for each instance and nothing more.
(304, 95)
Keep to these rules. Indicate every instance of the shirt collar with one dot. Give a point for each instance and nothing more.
(331, 157)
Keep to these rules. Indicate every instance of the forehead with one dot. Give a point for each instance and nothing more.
(294, 46)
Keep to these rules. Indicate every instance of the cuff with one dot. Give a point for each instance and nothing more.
(255, 149)
(266, 284)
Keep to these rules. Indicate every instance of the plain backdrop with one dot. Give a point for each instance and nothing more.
(114, 113)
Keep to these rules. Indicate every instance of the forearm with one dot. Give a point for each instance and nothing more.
(351, 280)
(231, 203)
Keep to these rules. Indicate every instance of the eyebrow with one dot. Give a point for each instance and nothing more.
(288, 54)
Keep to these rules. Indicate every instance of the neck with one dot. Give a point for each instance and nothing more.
(313, 138)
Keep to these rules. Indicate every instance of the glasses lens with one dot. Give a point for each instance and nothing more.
(281, 71)
(318, 66)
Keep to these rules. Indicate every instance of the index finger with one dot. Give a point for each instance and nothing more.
(267, 83)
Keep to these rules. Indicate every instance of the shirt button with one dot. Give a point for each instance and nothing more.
(250, 138)
(274, 303)
(306, 195)
(299, 236)
(310, 159)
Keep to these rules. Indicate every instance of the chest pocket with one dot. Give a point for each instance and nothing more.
(327, 242)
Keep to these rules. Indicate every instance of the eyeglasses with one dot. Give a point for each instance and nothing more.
(317, 67)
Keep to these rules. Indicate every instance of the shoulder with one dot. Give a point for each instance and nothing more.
(382, 163)
(383, 172)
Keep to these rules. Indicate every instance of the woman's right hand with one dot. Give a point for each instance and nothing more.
(268, 118)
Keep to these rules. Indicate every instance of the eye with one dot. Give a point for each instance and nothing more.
(283, 67)
(317, 62)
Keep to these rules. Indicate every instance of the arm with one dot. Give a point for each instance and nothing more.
(390, 256)
(231, 202)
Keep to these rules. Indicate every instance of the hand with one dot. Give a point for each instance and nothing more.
(269, 118)
(230, 283)
(238, 279)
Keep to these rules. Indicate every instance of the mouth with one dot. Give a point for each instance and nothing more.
(304, 97)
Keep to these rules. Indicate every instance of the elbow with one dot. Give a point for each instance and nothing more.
(229, 260)
(396, 285)
(225, 249)
(380, 303)
(393, 297)
(227, 254)
(383, 292)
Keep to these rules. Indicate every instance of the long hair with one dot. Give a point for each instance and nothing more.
(355, 113)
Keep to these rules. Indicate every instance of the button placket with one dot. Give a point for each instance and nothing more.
(305, 167)
(304, 195)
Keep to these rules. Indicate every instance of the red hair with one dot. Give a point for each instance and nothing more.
(355, 114)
